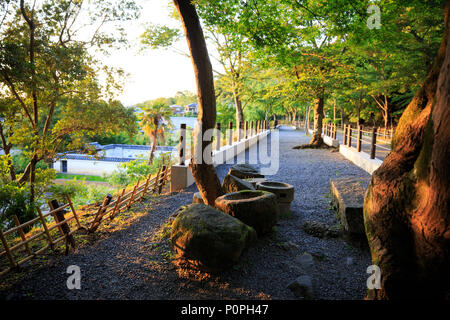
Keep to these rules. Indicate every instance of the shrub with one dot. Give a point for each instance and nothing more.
(130, 172)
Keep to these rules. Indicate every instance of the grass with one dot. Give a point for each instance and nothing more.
(81, 177)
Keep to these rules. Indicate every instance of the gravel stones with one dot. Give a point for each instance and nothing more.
(320, 230)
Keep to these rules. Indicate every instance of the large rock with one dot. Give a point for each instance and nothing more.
(232, 184)
(348, 197)
(208, 238)
(244, 171)
(197, 198)
(302, 287)
(259, 209)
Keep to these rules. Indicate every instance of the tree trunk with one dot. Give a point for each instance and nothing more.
(406, 208)
(317, 140)
(238, 104)
(358, 113)
(334, 111)
(7, 150)
(307, 118)
(203, 173)
(154, 140)
(342, 117)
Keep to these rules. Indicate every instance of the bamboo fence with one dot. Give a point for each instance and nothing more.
(110, 207)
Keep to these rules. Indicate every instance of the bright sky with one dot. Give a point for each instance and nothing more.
(153, 73)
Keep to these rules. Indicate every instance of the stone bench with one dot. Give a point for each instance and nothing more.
(348, 198)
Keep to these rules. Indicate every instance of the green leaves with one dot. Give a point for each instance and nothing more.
(156, 36)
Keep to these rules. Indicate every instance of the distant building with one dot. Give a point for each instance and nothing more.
(177, 109)
(193, 108)
(108, 159)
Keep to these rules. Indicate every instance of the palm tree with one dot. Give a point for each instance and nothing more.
(154, 121)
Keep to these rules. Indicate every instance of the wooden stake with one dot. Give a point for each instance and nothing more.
(8, 252)
(359, 142)
(155, 184)
(22, 234)
(132, 196)
(44, 224)
(74, 212)
(117, 206)
(163, 176)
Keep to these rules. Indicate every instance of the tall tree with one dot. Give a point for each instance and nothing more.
(45, 66)
(154, 121)
(406, 209)
(203, 172)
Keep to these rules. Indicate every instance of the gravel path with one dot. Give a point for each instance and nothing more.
(133, 264)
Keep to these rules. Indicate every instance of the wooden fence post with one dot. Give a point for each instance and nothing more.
(218, 136)
(117, 206)
(44, 224)
(163, 177)
(22, 235)
(230, 133)
(345, 135)
(349, 138)
(155, 183)
(73, 211)
(358, 145)
(64, 227)
(144, 191)
(182, 144)
(373, 143)
(132, 195)
(98, 216)
(8, 252)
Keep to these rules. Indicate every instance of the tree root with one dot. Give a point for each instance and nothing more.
(312, 146)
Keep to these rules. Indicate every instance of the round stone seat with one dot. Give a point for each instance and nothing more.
(244, 171)
(283, 191)
(256, 208)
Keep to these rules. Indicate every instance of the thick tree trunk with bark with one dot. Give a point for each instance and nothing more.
(316, 140)
(318, 121)
(407, 204)
(204, 174)
(238, 104)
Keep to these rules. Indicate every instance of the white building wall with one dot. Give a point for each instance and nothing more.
(90, 167)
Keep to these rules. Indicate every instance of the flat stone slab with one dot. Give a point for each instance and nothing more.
(348, 199)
